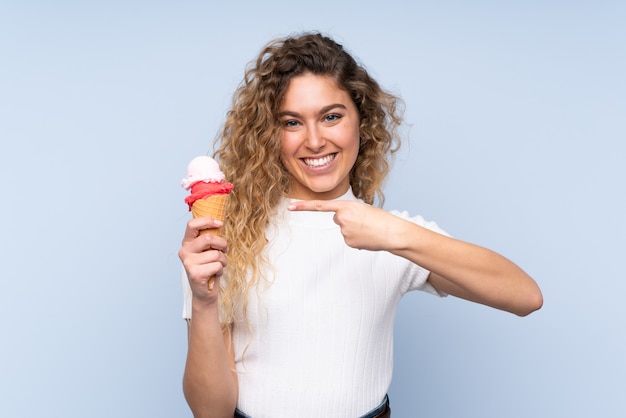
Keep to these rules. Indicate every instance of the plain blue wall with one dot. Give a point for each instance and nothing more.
(517, 142)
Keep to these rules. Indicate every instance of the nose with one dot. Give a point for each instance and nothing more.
(315, 140)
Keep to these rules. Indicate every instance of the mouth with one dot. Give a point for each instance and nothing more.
(319, 162)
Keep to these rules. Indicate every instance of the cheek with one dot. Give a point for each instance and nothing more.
(289, 143)
(287, 151)
(284, 157)
(354, 151)
(355, 141)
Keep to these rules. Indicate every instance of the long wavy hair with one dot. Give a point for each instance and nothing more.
(249, 148)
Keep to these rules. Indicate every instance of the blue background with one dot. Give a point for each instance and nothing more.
(516, 142)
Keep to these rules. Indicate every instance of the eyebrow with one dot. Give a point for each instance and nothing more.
(321, 112)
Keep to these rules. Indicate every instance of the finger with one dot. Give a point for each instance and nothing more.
(201, 245)
(203, 250)
(205, 257)
(316, 205)
(195, 225)
(200, 270)
(211, 242)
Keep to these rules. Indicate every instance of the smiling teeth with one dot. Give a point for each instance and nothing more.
(318, 162)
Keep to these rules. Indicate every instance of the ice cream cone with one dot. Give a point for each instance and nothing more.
(209, 193)
(212, 207)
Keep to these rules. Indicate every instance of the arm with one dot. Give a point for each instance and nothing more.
(209, 381)
(468, 271)
(458, 268)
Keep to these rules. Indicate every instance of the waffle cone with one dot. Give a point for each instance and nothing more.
(212, 207)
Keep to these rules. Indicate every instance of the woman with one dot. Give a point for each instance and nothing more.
(302, 323)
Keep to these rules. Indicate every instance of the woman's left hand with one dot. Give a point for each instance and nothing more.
(363, 226)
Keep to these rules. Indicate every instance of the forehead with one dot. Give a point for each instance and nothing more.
(311, 90)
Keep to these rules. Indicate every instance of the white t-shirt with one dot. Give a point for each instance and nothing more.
(320, 341)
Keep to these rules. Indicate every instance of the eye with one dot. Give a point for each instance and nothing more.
(332, 117)
(290, 123)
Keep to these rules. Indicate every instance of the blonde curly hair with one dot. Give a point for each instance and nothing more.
(249, 148)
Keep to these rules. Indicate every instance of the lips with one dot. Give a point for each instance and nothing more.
(319, 162)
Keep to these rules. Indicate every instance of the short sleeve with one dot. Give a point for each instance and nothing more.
(186, 295)
(417, 275)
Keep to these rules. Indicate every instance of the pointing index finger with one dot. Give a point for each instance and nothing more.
(315, 205)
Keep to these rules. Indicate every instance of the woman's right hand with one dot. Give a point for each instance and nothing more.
(203, 257)
(210, 380)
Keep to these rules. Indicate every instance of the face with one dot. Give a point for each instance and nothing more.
(319, 137)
